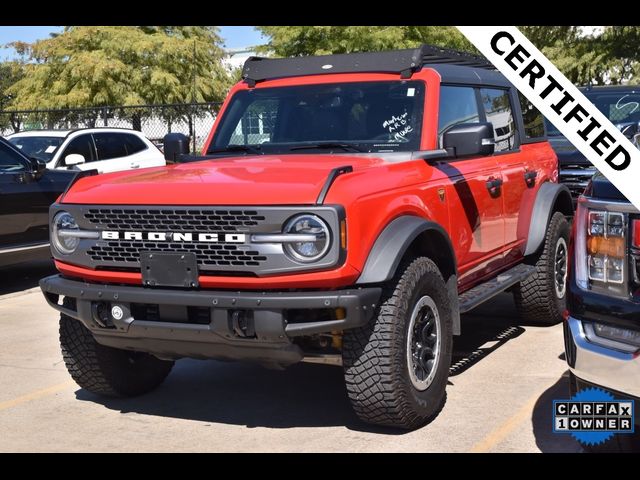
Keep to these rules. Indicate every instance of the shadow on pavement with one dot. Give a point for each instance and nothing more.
(484, 330)
(24, 276)
(548, 441)
(542, 420)
(304, 395)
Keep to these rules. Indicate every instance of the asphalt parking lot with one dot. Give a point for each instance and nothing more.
(500, 393)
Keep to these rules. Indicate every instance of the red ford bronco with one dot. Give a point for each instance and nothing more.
(346, 209)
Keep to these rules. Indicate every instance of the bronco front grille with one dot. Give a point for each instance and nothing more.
(220, 236)
(208, 255)
(576, 178)
(183, 220)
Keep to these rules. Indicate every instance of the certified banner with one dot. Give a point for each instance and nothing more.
(562, 103)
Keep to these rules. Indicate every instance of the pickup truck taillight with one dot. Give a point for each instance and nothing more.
(635, 234)
(600, 249)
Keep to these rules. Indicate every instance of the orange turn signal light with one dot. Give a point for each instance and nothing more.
(612, 246)
(343, 234)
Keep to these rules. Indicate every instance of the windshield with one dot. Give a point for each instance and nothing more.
(42, 148)
(363, 116)
(621, 108)
(552, 131)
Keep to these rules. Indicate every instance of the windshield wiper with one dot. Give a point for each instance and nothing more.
(236, 148)
(330, 145)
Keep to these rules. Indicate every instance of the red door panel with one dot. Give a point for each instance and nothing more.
(513, 167)
(476, 217)
(540, 164)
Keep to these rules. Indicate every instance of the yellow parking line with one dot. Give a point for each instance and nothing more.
(36, 395)
(509, 425)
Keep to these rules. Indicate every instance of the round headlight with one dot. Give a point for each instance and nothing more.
(63, 223)
(312, 251)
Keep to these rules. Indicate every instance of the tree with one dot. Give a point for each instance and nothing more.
(290, 41)
(10, 73)
(98, 66)
(598, 56)
(546, 35)
(609, 55)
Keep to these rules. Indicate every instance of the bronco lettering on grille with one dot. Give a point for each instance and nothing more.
(176, 237)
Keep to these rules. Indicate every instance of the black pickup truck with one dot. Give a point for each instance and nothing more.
(602, 329)
(621, 105)
(27, 189)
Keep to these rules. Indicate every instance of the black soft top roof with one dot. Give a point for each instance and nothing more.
(452, 65)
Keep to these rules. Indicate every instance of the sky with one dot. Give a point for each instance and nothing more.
(234, 37)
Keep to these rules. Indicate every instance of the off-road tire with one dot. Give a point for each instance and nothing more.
(104, 370)
(536, 299)
(374, 356)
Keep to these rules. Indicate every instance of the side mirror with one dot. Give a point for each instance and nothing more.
(73, 159)
(467, 139)
(38, 167)
(629, 130)
(175, 144)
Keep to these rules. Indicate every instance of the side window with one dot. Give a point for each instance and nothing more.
(81, 145)
(133, 143)
(257, 124)
(532, 118)
(497, 107)
(457, 105)
(110, 145)
(10, 161)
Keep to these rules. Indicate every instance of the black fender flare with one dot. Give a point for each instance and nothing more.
(392, 245)
(551, 197)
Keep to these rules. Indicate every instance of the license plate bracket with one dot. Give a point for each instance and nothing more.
(169, 269)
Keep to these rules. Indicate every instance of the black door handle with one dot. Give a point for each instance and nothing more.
(494, 185)
(530, 178)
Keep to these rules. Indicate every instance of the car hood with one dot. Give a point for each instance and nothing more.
(602, 188)
(568, 155)
(259, 180)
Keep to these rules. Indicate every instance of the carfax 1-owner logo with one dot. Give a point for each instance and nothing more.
(593, 416)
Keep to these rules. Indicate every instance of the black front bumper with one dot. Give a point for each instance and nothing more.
(602, 308)
(215, 337)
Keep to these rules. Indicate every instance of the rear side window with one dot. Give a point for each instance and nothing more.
(497, 108)
(110, 145)
(532, 118)
(133, 143)
(457, 105)
(81, 145)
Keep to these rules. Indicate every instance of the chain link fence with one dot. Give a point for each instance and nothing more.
(154, 121)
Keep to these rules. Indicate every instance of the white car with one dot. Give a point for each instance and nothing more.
(103, 149)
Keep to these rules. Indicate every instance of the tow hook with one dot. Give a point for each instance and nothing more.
(242, 323)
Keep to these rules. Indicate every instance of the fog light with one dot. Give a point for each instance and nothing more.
(632, 337)
(116, 312)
